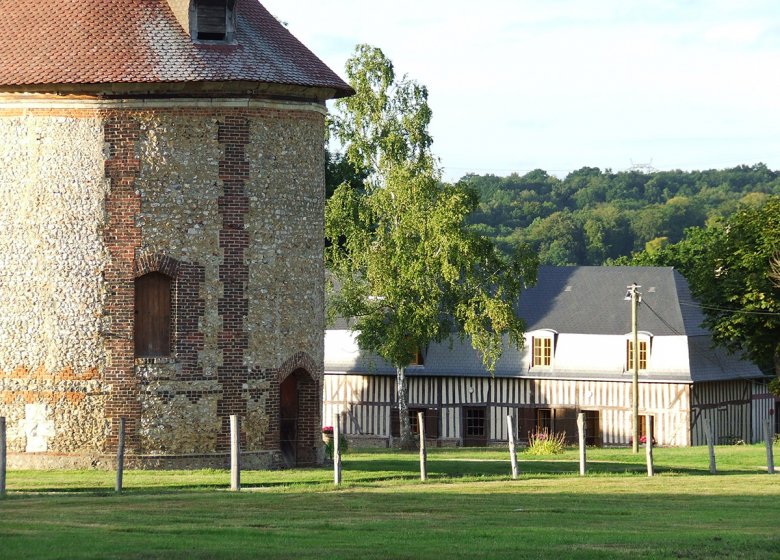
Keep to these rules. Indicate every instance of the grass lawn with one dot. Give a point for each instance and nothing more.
(469, 508)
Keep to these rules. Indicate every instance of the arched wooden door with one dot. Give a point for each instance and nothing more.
(288, 420)
(299, 420)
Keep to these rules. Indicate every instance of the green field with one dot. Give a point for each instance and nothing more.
(469, 508)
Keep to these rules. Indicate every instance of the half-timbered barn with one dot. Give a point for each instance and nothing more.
(577, 357)
(162, 179)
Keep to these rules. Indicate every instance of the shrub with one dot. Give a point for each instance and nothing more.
(542, 442)
(774, 386)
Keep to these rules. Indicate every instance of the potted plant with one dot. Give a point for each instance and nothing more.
(327, 438)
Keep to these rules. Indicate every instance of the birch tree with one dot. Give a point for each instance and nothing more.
(410, 270)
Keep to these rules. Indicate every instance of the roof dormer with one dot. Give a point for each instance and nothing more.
(207, 21)
(213, 21)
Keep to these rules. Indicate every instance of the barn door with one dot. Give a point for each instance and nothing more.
(288, 420)
(526, 423)
(566, 421)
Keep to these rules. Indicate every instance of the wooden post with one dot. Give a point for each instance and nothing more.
(770, 459)
(649, 447)
(635, 373)
(512, 446)
(2, 456)
(120, 455)
(581, 429)
(710, 444)
(235, 453)
(336, 451)
(423, 453)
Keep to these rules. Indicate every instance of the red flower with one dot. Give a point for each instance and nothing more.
(327, 430)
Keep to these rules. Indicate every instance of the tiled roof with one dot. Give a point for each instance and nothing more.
(140, 41)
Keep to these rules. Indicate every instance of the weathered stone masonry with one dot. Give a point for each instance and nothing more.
(225, 200)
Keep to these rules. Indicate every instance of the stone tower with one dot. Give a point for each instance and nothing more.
(161, 232)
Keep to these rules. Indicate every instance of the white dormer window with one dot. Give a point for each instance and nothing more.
(644, 340)
(542, 348)
(213, 20)
(542, 351)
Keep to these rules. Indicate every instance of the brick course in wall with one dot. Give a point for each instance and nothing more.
(122, 237)
(233, 272)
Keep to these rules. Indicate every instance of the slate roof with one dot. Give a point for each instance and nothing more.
(141, 41)
(578, 302)
(590, 300)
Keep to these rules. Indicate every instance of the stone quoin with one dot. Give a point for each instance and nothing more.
(161, 233)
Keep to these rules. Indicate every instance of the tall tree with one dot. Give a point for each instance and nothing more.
(729, 266)
(409, 268)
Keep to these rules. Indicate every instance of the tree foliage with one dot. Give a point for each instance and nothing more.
(410, 269)
(604, 215)
(729, 266)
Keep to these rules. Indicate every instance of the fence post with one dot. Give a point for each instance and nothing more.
(2, 456)
(423, 452)
(512, 445)
(649, 447)
(770, 458)
(581, 429)
(710, 445)
(235, 453)
(120, 455)
(336, 451)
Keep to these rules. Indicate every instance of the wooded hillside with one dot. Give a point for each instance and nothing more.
(593, 215)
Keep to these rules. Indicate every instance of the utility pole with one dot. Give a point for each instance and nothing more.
(635, 297)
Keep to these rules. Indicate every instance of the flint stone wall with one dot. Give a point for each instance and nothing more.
(233, 197)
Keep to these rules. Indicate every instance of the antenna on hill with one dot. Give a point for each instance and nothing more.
(643, 167)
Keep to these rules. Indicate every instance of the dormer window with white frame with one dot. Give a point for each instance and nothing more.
(213, 21)
(644, 340)
(542, 349)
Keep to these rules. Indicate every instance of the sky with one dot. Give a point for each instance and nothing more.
(517, 85)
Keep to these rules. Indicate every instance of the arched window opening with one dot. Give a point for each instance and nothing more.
(152, 315)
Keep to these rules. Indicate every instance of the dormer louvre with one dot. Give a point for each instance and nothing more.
(212, 21)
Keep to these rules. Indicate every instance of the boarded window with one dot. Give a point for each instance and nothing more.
(211, 20)
(152, 315)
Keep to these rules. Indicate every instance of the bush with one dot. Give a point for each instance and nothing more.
(542, 442)
(774, 386)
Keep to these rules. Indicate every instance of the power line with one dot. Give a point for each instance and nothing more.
(725, 310)
(713, 358)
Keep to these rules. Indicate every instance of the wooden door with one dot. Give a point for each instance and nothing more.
(526, 423)
(288, 420)
(152, 315)
(565, 421)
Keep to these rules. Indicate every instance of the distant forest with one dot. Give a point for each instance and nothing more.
(592, 216)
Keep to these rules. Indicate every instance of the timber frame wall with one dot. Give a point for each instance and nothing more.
(366, 402)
